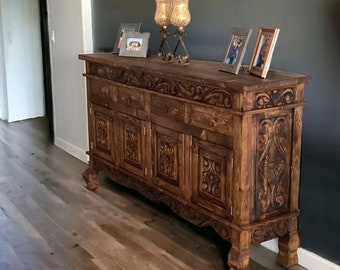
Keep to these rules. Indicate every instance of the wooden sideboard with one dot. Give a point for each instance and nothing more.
(219, 149)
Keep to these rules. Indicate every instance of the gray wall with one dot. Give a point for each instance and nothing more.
(308, 43)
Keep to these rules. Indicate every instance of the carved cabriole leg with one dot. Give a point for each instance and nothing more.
(238, 258)
(288, 246)
(91, 178)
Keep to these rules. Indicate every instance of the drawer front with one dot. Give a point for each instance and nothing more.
(102, 93)
(172, 109)
(131, 97)
(209, 118)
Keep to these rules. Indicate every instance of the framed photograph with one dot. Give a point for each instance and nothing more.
(263, 51)
(125, 27)
(134, 44)
(235, 50)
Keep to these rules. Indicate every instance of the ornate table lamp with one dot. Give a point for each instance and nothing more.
(180, 17)
(162, 18)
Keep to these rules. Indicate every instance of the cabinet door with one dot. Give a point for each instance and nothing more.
(212, 176)
(101, 132)
(131, 142)
(168, 159)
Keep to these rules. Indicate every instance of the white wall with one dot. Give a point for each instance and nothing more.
(3, 84)
(70, 26)
(21, 71)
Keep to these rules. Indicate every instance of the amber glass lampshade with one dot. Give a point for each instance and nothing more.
(163, 12)
(180, 16)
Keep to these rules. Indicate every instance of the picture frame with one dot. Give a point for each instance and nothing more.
(125, 27)
(263, 51)
(134, 44)
(235, 50)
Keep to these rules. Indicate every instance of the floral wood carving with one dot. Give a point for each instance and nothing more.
(274, 98)
(190, 90)
(102, 132)
(167, 159)
(132, 141)
(273, 166)
(269, 231)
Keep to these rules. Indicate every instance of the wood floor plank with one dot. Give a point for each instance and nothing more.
(49, 220)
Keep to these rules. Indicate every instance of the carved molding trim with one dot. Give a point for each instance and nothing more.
(274, 98)
(183, 210)
(269, 231)
(185, 89)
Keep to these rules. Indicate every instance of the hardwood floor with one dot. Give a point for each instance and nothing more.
(48, 220)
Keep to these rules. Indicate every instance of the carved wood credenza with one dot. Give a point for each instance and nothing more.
(219, 149)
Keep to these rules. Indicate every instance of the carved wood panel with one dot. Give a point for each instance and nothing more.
(190, 90)
(212, 176)
(132, 144)
(168, 157)
(102, 128)
(273, 162)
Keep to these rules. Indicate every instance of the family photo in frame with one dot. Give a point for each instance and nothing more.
(235, 50)
(263, 51)
(134, 44)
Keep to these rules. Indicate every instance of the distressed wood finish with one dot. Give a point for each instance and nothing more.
(220, 150)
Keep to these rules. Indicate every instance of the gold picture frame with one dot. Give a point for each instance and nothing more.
(235, 50)
(263, 51)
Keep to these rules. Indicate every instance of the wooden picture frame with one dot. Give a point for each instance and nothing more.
(235, 50)
(134, 44)
(263, 51)
(125, 27)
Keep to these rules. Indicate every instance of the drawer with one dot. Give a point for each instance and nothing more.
(168, 108)
(214, 119)
(131, 97)
(101, 93)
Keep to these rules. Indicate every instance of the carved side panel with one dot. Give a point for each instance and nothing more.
(212, 176)
(103, 133)
(272, 184)
(131, 144)
(199, 92)
(168, 158)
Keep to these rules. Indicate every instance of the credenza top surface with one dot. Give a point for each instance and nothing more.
(200, 70)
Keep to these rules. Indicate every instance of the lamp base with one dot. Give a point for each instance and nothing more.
(165, 56)
(181, 59)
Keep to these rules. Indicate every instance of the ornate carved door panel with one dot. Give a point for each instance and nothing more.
(132, 150)
(273, 165)
(103, 134)
(168, 159)
(212, 176)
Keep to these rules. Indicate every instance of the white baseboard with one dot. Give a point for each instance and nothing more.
(71, 149)
(307, 259)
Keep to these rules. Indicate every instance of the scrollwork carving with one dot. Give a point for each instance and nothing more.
(211, 177)
(186, 89)
(272, 181)
(167, 158)
(274, 98)
(269, 231)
